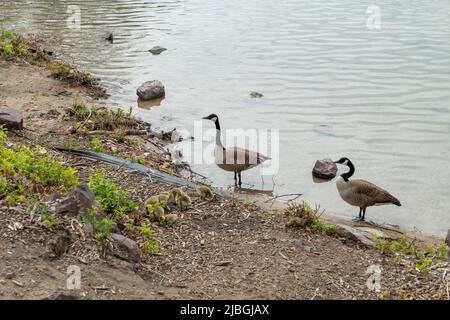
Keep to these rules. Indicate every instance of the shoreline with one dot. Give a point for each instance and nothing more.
(228, 248)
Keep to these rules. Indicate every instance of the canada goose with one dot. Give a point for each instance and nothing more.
(234, 158)
(361, 193)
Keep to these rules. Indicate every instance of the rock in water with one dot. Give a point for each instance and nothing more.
(11, 118)
(157, 50)
(255, 94)
(124, 248)
(325, 169)
(151, 90)
(109, 36)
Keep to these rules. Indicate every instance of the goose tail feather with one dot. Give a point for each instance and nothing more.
(396, 202)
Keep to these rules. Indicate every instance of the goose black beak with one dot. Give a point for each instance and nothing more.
(206, 118)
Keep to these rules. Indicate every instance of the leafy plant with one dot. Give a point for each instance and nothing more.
(103, 227)
(46, 219)
(3, 134)
(113, 199)
(97, 145)
(35, 166)
(150, 244)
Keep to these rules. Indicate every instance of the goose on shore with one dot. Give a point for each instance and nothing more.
(234, 159)
(361, 193)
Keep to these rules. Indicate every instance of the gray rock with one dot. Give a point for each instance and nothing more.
(355, 235)
(157, 50)
(11, 118)
(79, 200)
(151, 90)
(255, 94)
(325, 169)
(123, 248)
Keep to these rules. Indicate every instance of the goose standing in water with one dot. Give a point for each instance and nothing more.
(234, 159)
(361, 193)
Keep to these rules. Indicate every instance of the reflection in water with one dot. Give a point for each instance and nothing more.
(333, 87)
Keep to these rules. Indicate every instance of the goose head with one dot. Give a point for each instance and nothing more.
(213, 117)
(344, 161)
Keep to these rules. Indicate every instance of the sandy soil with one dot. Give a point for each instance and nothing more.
(217, 249)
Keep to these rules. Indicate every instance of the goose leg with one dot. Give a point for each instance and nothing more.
(235, 179)
(359, 216)
(364, 214)
(240, 181)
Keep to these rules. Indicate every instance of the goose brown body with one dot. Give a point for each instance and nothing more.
(234, 159)
(361, 193)
(237, 159)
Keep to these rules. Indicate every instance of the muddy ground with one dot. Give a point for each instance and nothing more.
(225, 249)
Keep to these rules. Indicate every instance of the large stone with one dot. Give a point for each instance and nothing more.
(157, 50)
(325, 169)
(77, 201)
(123, 248)
(11, 118)
(356, 235)
(151, 90)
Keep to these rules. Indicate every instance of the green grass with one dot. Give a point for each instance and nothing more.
(113, 199)
(405, 247)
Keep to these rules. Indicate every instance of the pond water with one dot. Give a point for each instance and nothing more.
(331, 85)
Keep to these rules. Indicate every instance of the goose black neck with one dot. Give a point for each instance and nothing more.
(218, 141)
(347, 175)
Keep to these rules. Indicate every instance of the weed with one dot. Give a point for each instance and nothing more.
(424, 259)
(66, 71)
(119, 136)
(24, 166)
(47, 219)
(303, 216)
(97, 145)
(103, 227)
(113, 199)
(3, 134)
(150, 244)
(71, 143)
(14, 47)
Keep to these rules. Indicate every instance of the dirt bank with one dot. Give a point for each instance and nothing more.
(216, 249)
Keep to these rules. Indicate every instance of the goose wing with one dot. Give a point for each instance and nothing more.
(373, 192)
(244, 156)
